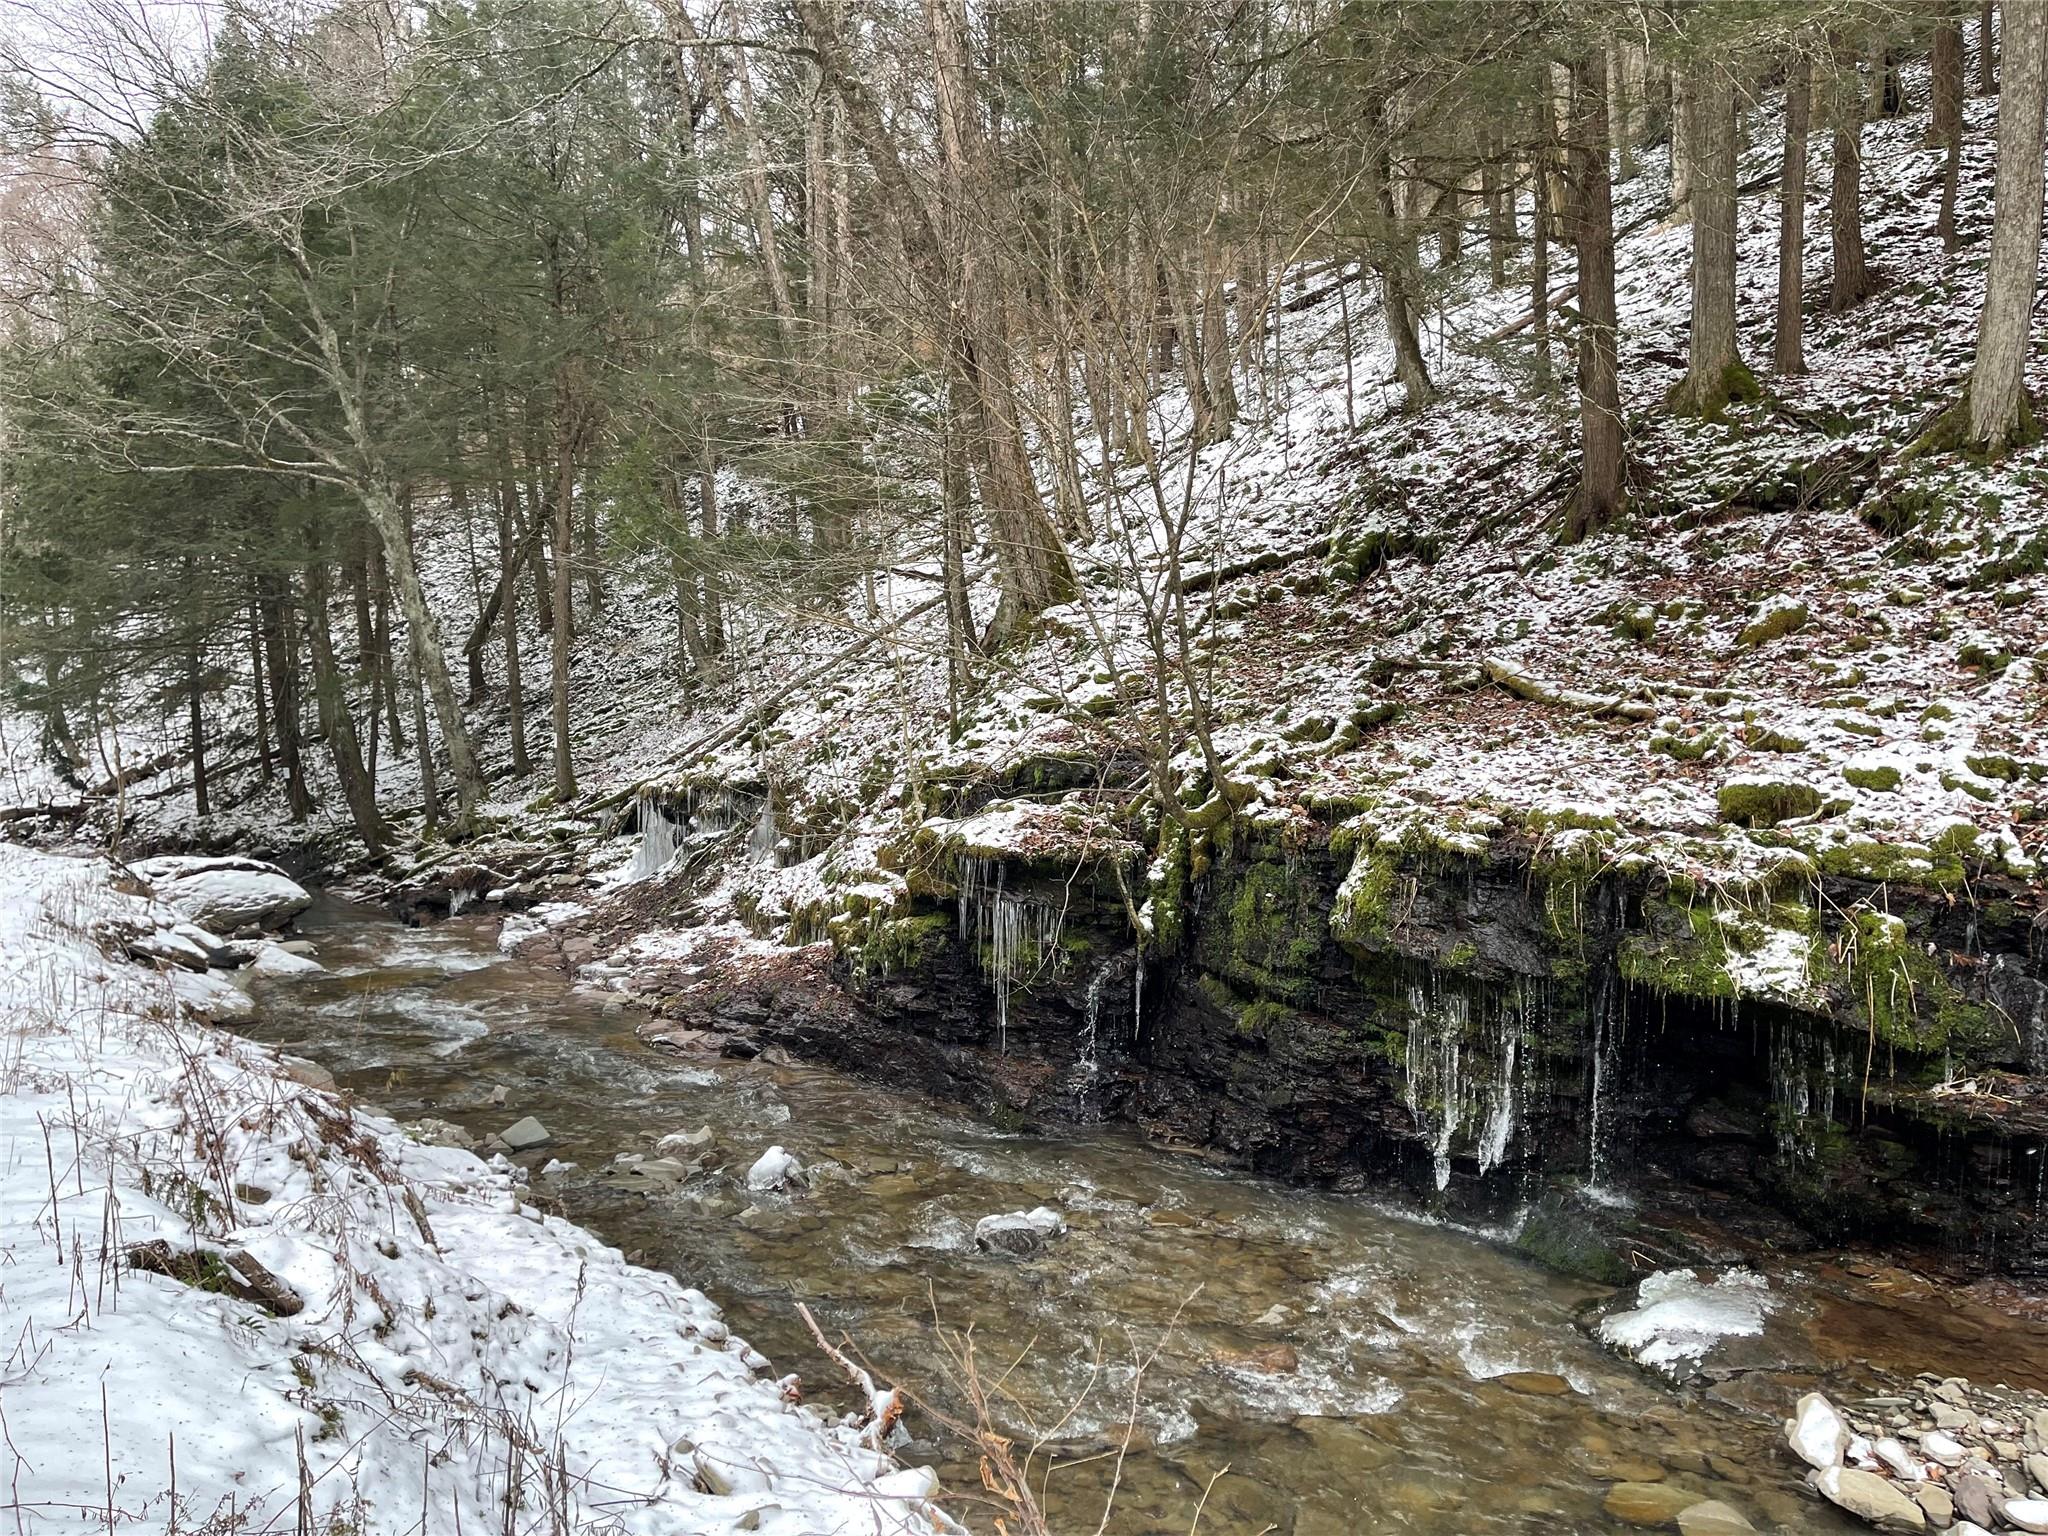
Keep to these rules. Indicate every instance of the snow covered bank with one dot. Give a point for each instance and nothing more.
(233, 1301)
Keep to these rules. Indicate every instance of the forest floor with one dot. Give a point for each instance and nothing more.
(1805, 649)
(392, 1338)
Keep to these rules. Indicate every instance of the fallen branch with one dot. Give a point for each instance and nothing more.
(1505, 674)
(884, 1407)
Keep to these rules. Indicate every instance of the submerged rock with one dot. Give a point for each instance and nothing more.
(1648, 1504)
(1713, 1518)
(1019, 1234)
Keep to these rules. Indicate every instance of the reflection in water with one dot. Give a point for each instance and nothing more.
(1337, 1357)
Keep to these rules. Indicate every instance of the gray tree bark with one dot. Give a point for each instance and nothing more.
(1999, 414)
(1714, 371)
(1788, 350)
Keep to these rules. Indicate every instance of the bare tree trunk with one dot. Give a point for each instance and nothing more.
(1500, 215)
(1681, 146)
(1850, 282)
(564, 531)
(1621, 110)
(1393, 256)
(1788, 351)
(386, 668)
(1987, 52)
(263, 757)
(708, 516)
(1714, 370)
(425, 630)
(1539, 238)
(508, 576)
(280, 663)
(2000, 417)
(1945, 126)
(195, 683)
(336, 724)
(1600, 483)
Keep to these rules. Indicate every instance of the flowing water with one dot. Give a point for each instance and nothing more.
(1340, 1359)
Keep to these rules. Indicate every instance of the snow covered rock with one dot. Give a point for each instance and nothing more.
(1019, 1234)
(1817, 1433)
(775, 1169)
(1898, 1461)
(1678, 1318)
(225, 895)
(276, 960)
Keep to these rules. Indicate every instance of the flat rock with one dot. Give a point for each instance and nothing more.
(1935, 1503)
(1978, 1495)
(1535, 1383)
(522, 1134)
(2027, 1514)
(1869, 1497)
(2037, 1469)
(1816, 1432)
(1714, 1518)
(1648, 1504)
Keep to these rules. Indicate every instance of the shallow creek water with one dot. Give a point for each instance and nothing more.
(1339, 1358)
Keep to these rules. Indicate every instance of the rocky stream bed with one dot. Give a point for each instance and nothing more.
(1175, 1333)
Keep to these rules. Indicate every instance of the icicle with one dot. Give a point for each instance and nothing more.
(659, 840)
(1008, 932)
(458, 898)
(1094, 1015)
(1448, 1092)
(762, 840)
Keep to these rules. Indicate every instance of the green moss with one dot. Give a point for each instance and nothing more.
(1681, 950)
(1709, 399)
(1881, 777)
(1363, 912)
(1459, 956)
(1896, 863)
(894, 945)
(1992, 765)
(1757, 802)
(1264, 1017)
(1773, 622)
(1905, 995)
(1264, 934)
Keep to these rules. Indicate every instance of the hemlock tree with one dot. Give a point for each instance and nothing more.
(251, 239)
(1999, 416)
(1714, 372)
(1788, 354)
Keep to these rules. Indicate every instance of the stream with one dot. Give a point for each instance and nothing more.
(1343, 1360)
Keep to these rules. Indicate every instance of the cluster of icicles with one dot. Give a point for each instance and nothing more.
(1462, 1078)
(1014, 935)
(707, 816)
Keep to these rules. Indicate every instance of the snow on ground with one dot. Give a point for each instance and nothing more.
(335, 1328)
(1394, 623)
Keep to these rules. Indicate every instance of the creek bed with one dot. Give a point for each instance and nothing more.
(1355, 1368)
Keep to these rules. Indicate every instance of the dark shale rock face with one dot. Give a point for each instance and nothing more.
(1483, 1042)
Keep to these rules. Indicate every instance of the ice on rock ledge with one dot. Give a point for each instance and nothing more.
(1678, 1318)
